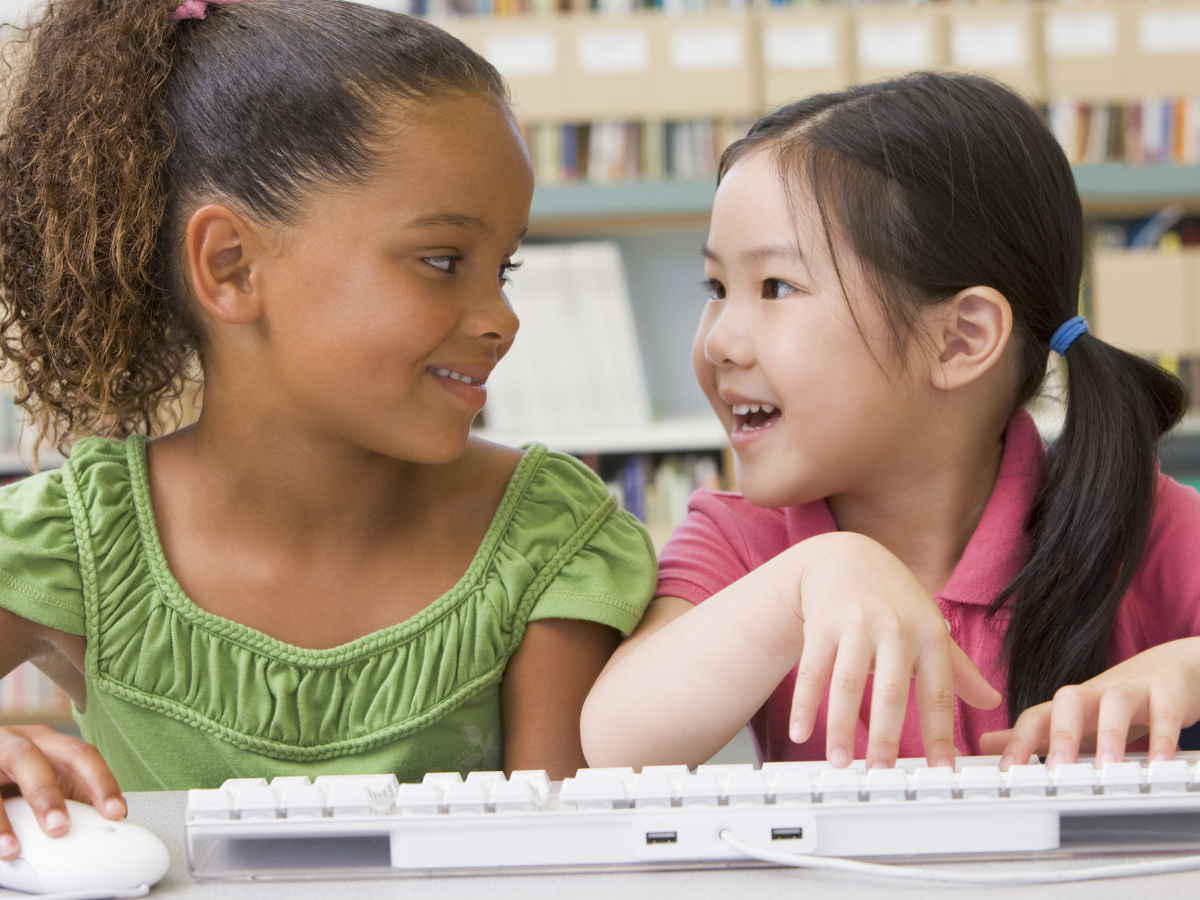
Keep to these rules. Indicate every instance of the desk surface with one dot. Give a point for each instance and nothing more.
(162, 813)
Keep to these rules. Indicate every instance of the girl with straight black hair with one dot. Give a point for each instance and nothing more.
(890, 268)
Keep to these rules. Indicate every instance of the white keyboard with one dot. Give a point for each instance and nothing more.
(668, 816)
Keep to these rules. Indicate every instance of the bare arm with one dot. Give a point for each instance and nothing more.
(839, 604)
(543, 691)
(45, 765)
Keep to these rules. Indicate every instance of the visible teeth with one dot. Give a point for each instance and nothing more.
(741, 409)
(754, 407)
(457, 376)
(768, 408)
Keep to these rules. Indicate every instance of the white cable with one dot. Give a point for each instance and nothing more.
(914, 873)
(140, 891)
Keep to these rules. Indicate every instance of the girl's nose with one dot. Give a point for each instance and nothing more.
(494, 319)
(727, 343)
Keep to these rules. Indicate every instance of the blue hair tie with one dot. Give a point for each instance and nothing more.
(1066, 334)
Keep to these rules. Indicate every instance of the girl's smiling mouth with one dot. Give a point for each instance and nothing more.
(466, 387)
(750, 417)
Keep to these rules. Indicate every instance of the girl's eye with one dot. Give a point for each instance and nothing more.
(773, 289)
(447, 264)
(716, 290)
(506, 269)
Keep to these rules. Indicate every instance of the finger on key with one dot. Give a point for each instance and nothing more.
(1068, 721)
(25, 764)
(1166, 721)
(1029, 736)
(846, 688)
(9, 846)
(1117, 706)
(935, 700)
(889, 705)
(812, 677)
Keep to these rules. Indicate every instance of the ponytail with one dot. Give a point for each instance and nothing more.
(1089, 522)
(121, 123)
(85, 327)
(944, 182)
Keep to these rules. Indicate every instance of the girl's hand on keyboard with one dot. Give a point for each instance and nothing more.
(864, 612)
(50, 767)
(1158, 690)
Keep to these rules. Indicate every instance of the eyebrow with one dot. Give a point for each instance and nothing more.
(452, 220)
(769, 251)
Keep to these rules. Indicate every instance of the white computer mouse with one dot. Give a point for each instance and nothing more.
(95, 855)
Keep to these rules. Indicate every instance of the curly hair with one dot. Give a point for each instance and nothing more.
(118, 123)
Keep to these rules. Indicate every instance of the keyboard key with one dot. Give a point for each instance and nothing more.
(1074, 779)
(1028, 781)
(981, 782)
(233, 785)
(442, 780)
(210, 806)
(281, 783)
(381, 789)
(1122, 778)
(484, 777)
(611, 772)
(700, 790)
(594, 792)
(515, 796)
(419, 799)
(348, 798)
(791, 785)
(257, 803)
(652, 791)
(1165, 776)
(746, 787)
(884, 785)
(537, 778)
(934, 783)
(839, 785)
(301, 799)
(468, 797)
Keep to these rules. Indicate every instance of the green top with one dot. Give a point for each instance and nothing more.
(179, 698)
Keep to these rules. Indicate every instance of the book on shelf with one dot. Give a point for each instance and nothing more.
(1150, 130)
(656, 490)
(577, 363)
(615, 150)
(27, 693)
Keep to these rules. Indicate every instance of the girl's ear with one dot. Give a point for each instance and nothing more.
(971, 330)
(224, 252)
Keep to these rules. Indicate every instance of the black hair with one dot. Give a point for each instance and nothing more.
(943, 182)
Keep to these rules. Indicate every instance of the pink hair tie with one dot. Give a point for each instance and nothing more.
(194, 9)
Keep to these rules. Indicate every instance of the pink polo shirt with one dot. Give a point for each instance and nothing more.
(724, 537)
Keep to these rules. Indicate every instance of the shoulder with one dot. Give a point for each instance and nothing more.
(724, 537)
(40, 519)
(595, 560)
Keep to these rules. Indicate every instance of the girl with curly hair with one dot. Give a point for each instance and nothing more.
(314, 204)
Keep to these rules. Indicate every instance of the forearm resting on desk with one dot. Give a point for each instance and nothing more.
(688, 679)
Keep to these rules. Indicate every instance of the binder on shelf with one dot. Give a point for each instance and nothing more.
(804, 52)
(893, 41)
(705, 64)
(1148, 301)
(1088, 48)
(1001, 40)
(613, 67)
(533, 53)
(1165, 48)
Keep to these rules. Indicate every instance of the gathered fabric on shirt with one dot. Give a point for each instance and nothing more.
(180, 698)
(724, 537)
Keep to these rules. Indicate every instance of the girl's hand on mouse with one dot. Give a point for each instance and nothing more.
(49, 768)
(1157, 691)
(864, 612)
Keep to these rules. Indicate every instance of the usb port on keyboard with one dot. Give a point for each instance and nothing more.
(661, 837)
(787, 834)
